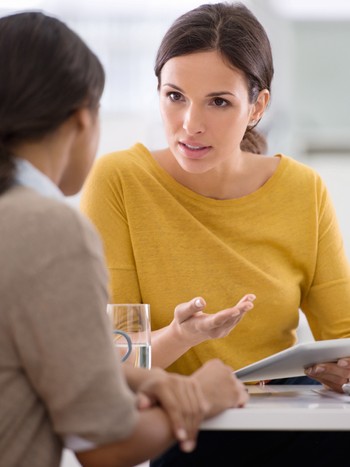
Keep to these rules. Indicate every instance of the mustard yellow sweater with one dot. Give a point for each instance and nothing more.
(165, 244)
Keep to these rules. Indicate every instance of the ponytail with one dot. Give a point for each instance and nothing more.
(254, 142)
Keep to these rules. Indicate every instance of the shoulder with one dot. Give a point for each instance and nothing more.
(50, 224)
(300, 170)
(116, 172)
(304, 181)
(135, 155)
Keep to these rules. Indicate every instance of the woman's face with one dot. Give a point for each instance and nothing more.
(205, 108)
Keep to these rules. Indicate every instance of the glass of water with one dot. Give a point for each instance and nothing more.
(132, 332)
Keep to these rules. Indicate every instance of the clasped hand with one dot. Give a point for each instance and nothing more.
(188, 400)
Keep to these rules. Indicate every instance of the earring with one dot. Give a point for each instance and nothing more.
(252, 124)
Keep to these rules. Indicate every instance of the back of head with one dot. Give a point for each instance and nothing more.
(46, 73)
(232, 30)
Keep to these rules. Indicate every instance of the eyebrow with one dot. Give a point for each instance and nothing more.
(211, 94)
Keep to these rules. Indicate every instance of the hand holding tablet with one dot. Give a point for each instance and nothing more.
(293, 361)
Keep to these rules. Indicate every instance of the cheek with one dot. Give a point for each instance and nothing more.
(93, 142)
(170, 115)
(85, 159)
(96, 140)
(234, 122)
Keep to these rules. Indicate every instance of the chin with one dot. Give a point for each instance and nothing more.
(70, 190)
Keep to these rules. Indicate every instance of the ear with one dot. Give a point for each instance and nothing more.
(260, 105)
(82, 118)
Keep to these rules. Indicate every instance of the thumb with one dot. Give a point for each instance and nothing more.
(183, 311)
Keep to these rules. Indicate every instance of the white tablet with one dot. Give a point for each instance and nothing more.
(293, 361)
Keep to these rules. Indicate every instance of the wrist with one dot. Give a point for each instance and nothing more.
(167, 346)
(183, 336)
(178, 335)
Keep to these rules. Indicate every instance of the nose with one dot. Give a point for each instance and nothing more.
(193, 121)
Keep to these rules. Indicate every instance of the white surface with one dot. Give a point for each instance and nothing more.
(285, 408)
(293, 361)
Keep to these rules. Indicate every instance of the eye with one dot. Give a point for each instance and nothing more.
(175, 96)
(220, 102)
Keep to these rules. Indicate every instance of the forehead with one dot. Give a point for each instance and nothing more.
(204, 69)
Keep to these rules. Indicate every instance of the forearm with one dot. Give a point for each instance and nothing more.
(137, 376)
(167, 347)
(152, 435)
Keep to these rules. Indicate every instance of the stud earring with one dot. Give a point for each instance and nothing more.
(252, 124)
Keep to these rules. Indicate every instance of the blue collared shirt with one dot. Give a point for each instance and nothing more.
(30, 176)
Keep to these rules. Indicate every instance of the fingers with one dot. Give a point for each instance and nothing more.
(182, 400)
(192, 325)
(188, 412)
(221, 387)
(143, 402)
(241, 395)
(250, 297)
(231, 316)
(184, 311)
(193, 415)
(245, 304)
(332, 375)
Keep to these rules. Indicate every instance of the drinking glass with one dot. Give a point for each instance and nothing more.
(132, 332)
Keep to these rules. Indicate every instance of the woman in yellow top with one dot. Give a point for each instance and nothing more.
(210, 215)
(212, 218)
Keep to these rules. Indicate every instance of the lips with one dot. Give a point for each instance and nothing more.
(193, 150)
(191, 146)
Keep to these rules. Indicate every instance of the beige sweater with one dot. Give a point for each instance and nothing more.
(58, 371)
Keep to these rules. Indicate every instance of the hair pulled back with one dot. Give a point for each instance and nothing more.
(46, 73)
(232, 30)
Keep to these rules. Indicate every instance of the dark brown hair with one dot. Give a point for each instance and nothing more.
(233, 31)
(46, 73)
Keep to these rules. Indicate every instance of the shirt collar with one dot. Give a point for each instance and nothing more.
(29, 176)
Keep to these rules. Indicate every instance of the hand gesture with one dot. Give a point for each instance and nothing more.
(194, 326)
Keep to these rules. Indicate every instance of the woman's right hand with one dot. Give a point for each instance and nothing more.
(193, 326)
(221, 388)
(188, 400)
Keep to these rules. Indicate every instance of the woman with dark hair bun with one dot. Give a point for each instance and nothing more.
(212, 218)
(61, 382)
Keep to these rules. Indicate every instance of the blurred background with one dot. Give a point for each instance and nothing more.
(308, 117)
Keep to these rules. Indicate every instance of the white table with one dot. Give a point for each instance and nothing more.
(277, 408)
(286, 408)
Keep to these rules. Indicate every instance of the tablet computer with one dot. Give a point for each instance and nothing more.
(293, 361)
